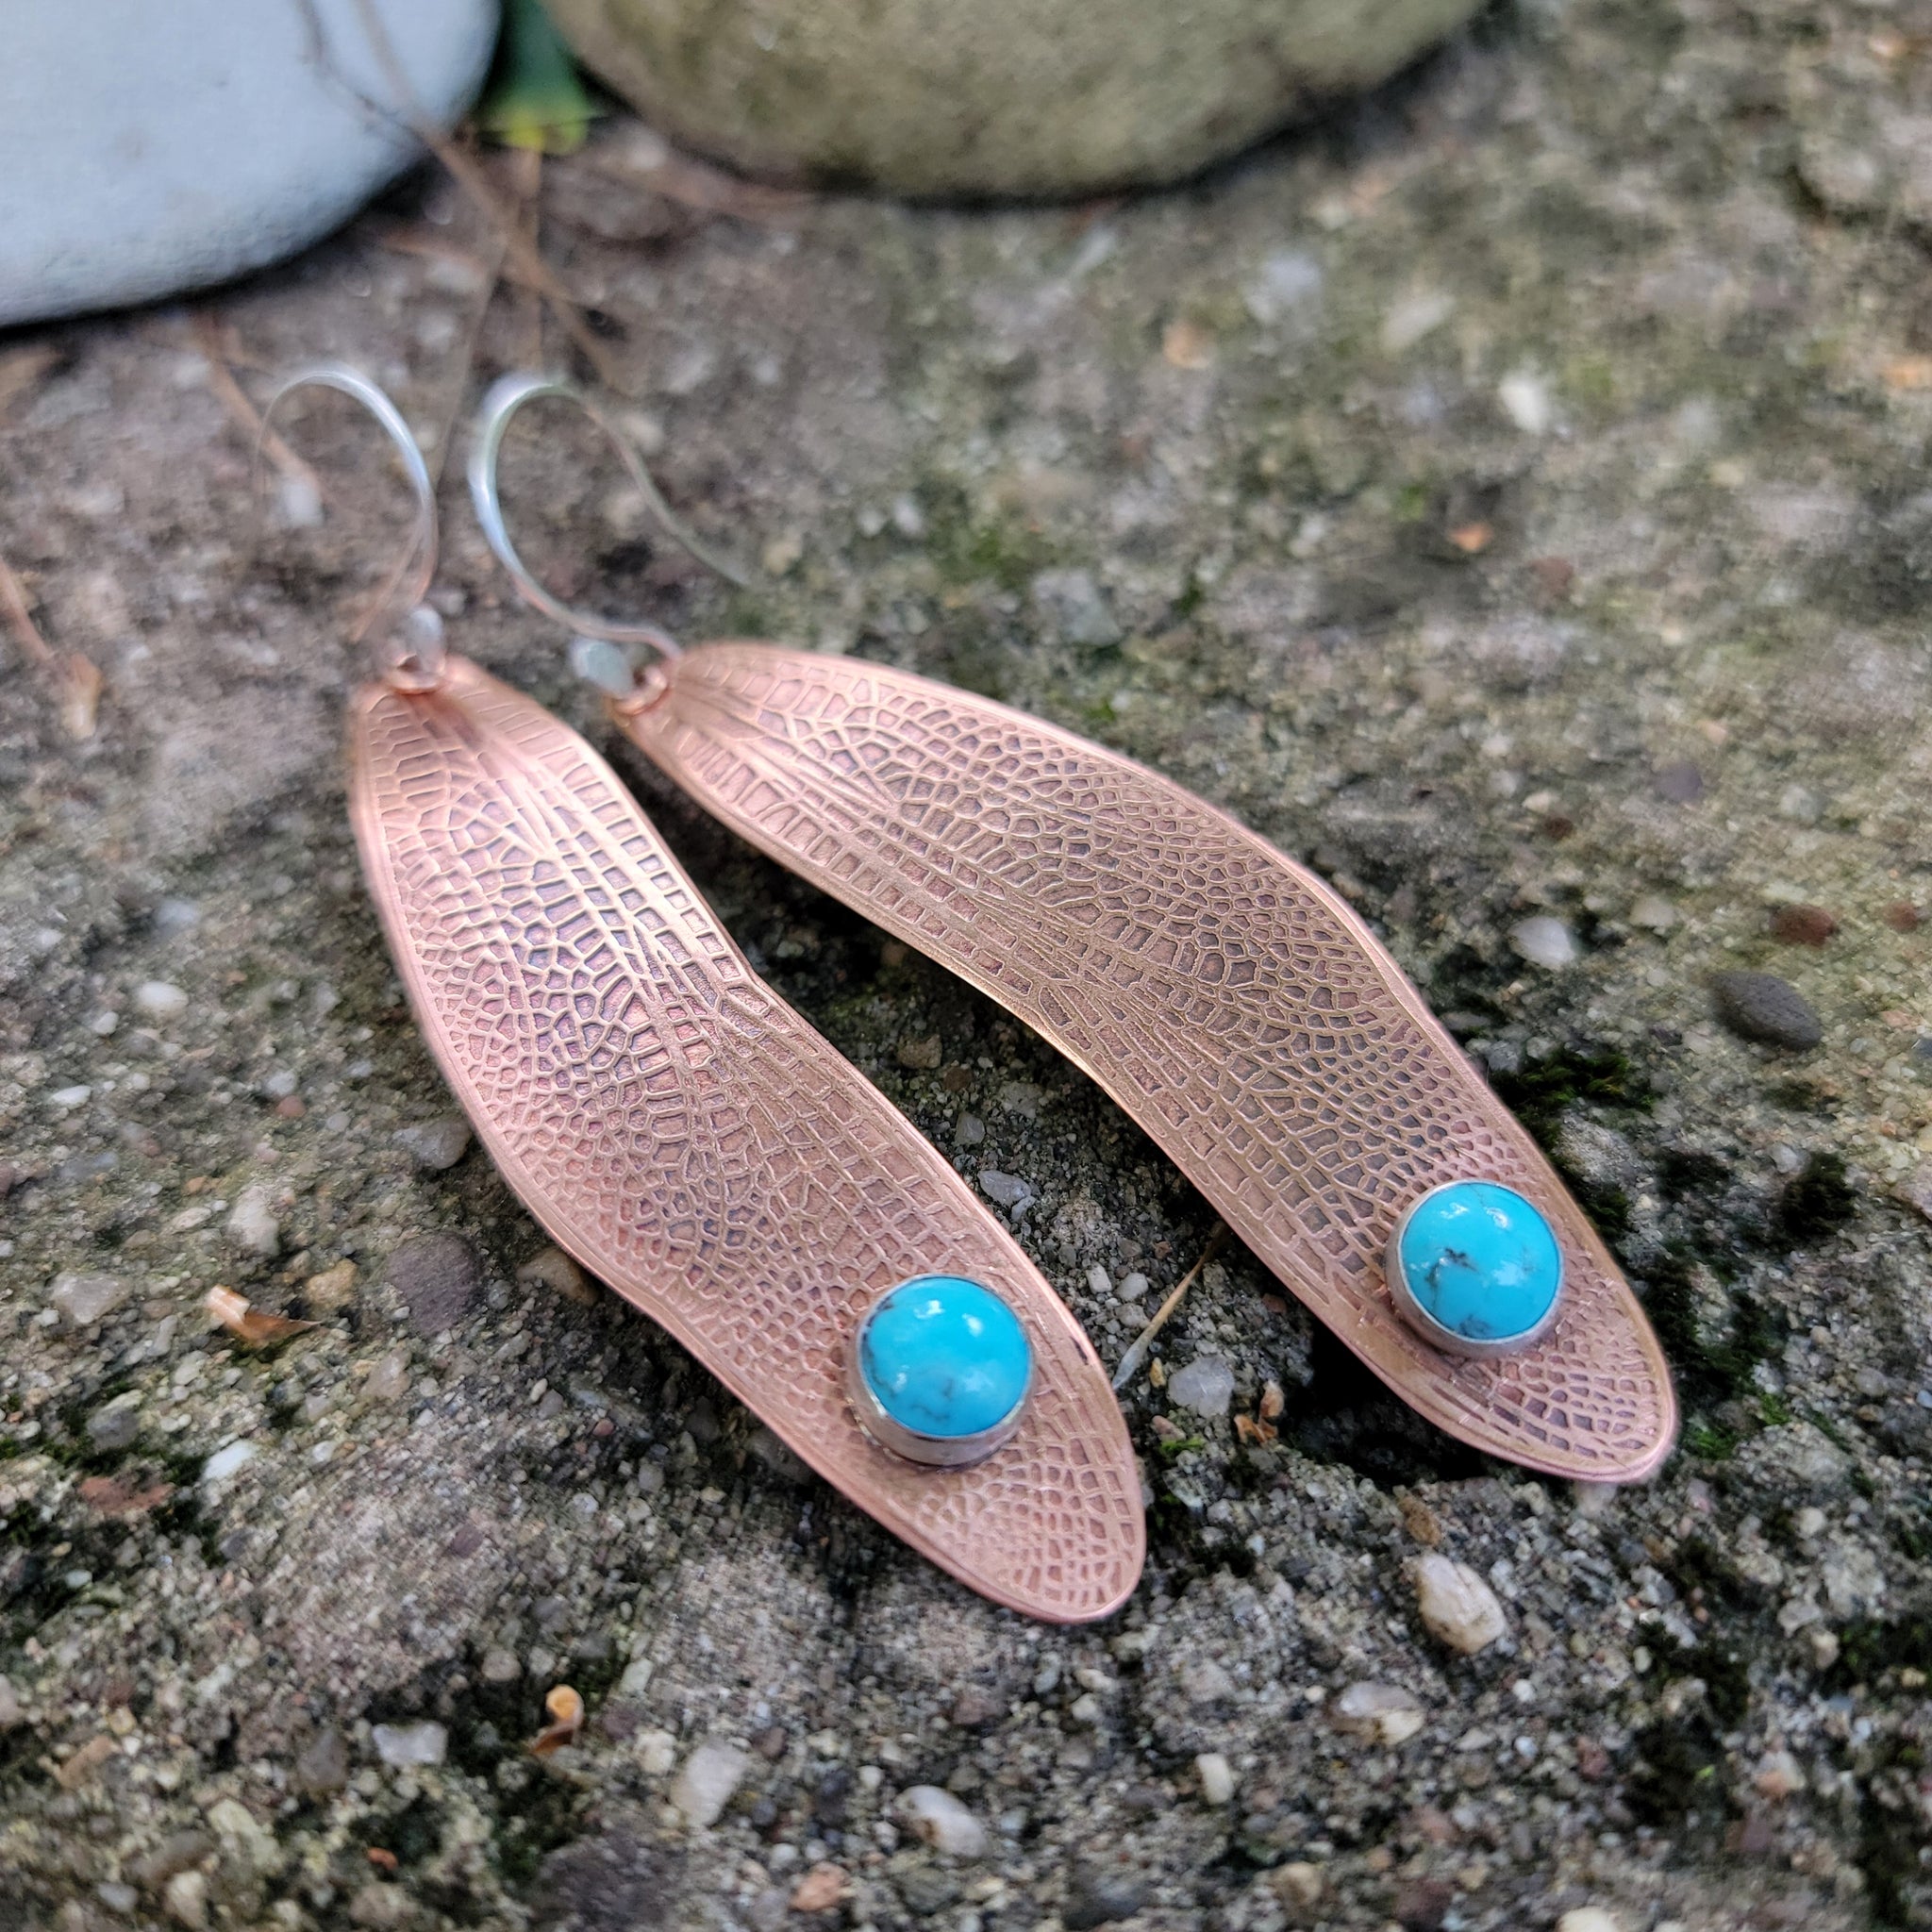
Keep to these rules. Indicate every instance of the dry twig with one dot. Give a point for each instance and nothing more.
(1136, 1349)
(76, 677)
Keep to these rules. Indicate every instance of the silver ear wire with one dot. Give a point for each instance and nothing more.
(506, 397)
(413, 646)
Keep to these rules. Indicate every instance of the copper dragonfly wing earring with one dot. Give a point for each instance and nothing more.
(1226, 999)
(685, 1135)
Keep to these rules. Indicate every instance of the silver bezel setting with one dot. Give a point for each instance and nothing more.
(1424, 1323)
(930, 1452)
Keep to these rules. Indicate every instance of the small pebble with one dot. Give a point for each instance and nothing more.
(1802, 925)
(115, 1427)
(1380, 1714)
(1680, 782)
(706, 1781)
(1217, 1778)
(1102, 1897)
(186, 1898)
(117, 1898)
(969, 1132)
(1655, 914)
(103, 1024)
(1205, 1682)
(402, 1747)
(159, 1000)
(1005, 1189)
(1544, 941)
(10, 1711)
(499, 1665)
(1590, 1919)
(252, 1225)
(435, 1146)
(552, 1269)
(1206, 1386)
(438, 1277)
(921, 1055)
(1297, 1883)
(1778, 1776)
(332, 1291)
(1903, 916)
(942, 1822)
(1762, 1006)
(225, 1461)
(81, 1300)
(323, 1765)
(1457, 1605)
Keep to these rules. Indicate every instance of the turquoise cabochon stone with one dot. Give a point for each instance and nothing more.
(944, 1356)
(1481, 1261)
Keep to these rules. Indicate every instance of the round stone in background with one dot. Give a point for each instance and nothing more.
(1475, 1268)
(148, 150)
(941, 1369)
(976, 97)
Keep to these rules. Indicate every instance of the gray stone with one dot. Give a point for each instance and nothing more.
(84, 1299)
(1030, 97)
(706, 1781)
(437, 1276)
(323, 1765)
(252, 1225)
(436, 1146)
(147, 151)
(1760, 1006)
(1206, 1386)
(115, 1427)
(1099, 1897)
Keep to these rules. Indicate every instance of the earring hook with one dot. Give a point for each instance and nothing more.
(506, 397)
(415, 660)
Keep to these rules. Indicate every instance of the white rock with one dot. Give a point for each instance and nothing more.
(657, 1751)
(84, 1299)
(159, 1000)
(71, 1097)
(1217, 1778)
(703, 1786)
(1544, 941)
(1590, 1919)
(1206, 1386)
(148, 150)
(225, 1461)
(942, 1822)
(1457, 1605)
(1654, 913)
(636, 1679)
(404, 1746)
(1525, 400)
(254, 1226)
(186, 1897)
(1381, 1713)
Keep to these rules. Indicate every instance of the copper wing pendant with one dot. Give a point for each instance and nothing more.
(1225, 998)
(687, 1137)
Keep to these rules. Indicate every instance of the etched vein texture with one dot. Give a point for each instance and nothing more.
(686, 1135)
(1224, 996)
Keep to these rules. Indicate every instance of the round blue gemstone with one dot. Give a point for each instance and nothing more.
(1481, 1261)
(944, 1356)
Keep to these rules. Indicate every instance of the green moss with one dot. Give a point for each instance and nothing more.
(1545, 1090)
(1816, 1204)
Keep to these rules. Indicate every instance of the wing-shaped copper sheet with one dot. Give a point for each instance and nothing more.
(685, 1135)
(1229, 1001)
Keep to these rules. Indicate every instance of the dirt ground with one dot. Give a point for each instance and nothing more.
(1509, 497)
